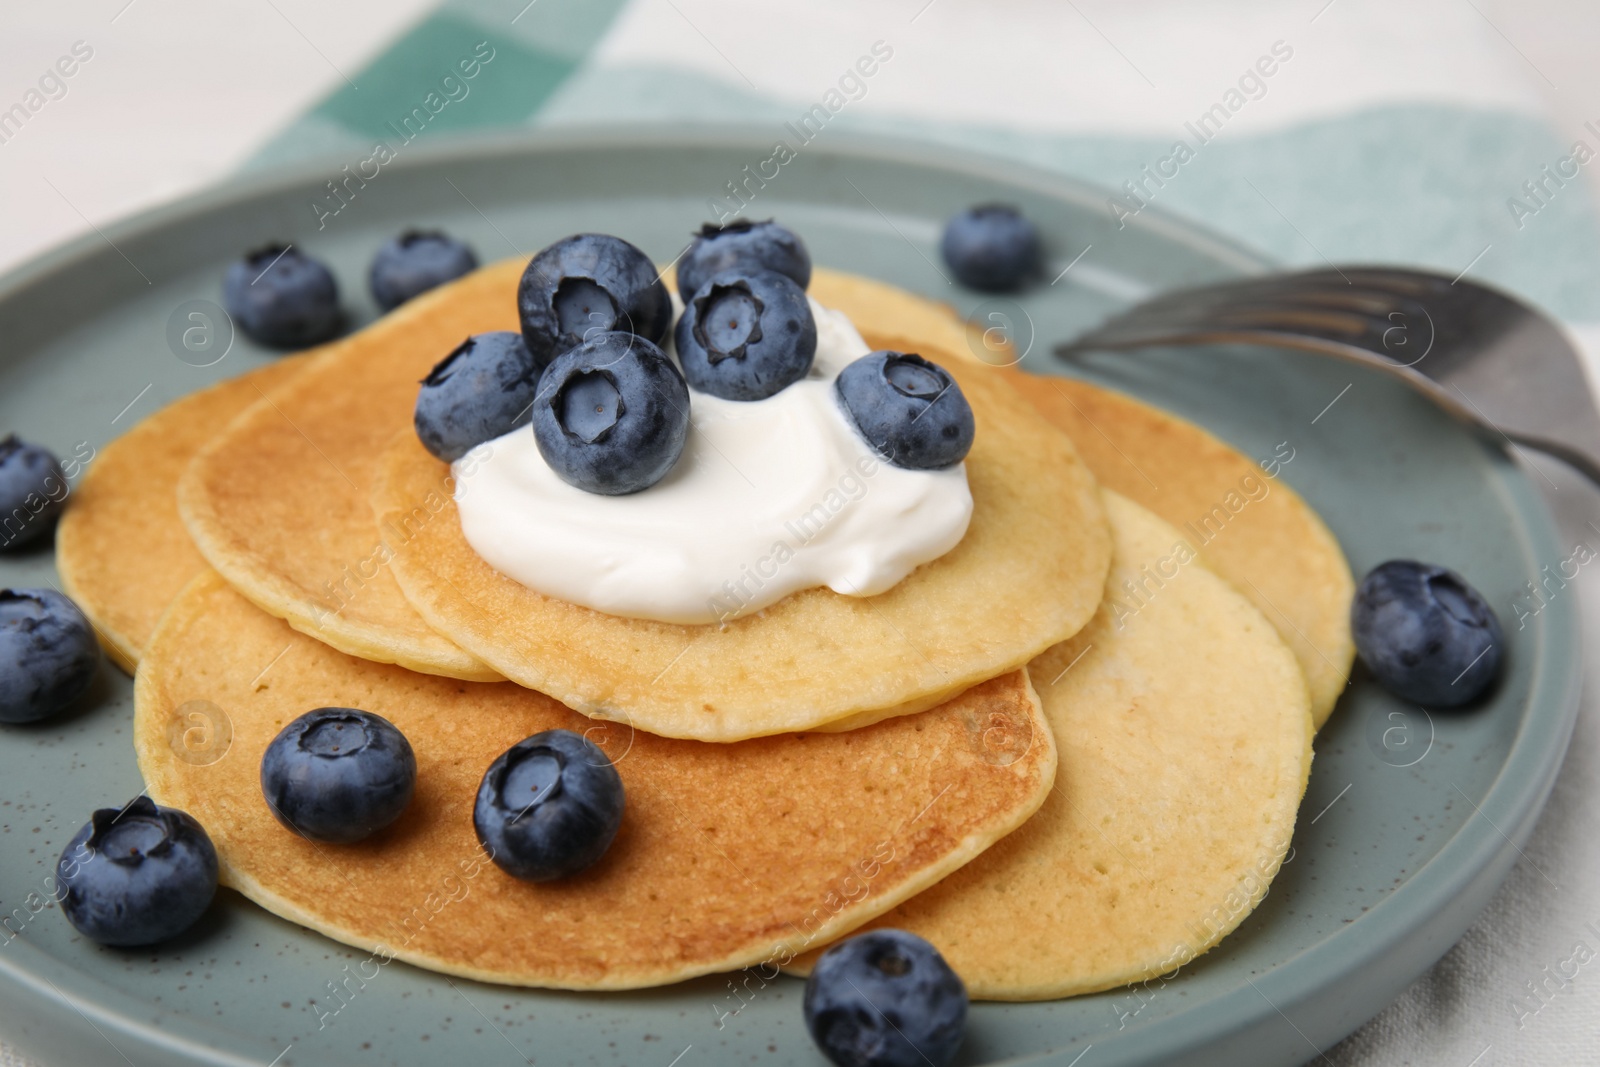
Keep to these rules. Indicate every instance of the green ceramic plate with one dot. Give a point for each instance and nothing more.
(1408, 826)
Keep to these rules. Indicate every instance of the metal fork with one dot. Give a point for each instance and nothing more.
(1490, 360)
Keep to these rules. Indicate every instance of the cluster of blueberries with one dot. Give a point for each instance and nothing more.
(284, 298)
(610, 414)
(551, 805)
(610, 410)
(547, 808)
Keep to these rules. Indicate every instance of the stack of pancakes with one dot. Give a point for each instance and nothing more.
(1069, 752)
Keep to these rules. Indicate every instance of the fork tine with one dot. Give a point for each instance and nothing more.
(1451, 339)
(1168, 326)
(1370, 299)
(1321, 309)
(1148, 336)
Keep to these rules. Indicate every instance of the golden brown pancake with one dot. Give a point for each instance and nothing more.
(1184, 737)
(279, 503)
(1276, 550)
(729, 856)
(273, 505)
(1253, 530)
(121, 549)
(1029, 571)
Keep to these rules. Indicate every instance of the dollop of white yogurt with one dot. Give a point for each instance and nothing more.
(769, 497)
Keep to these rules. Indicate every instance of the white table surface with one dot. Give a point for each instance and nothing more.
(180, 92)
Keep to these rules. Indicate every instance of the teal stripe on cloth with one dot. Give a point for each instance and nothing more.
(447, 73)
(516, 57)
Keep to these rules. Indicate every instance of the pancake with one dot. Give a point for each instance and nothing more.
(278, 504)
(884, 312)
(1028, 572)
(729, 855)
(1184, 737)
(1253, 530)
(121, 548)
(1249, 528)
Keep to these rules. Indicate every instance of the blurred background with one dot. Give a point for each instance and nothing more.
(1456, 134)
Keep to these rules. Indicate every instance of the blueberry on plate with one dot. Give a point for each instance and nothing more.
(48, 654)
(483, 389)
(589, 284)
(33, 490)
(414, 262)
(746, 334)
(138, 875)
(885, 998)
(338, 774)
(909, 410)
(1425, 634)
(743, 245)
(282, 297)
(549, 806)
(612, 415)
(990, 247)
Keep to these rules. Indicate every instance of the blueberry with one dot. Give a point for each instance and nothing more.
(885, 998)
(990, 247)
(137, 876)
(746, 334)
(283, 298)
(483, 389)
(415, 262)
(1425, 634)
(612, 415)
(743, 245)
(589, 284)
(338, 774)
(33, 490)
(48, 654)
(549, 806)
(909, 410)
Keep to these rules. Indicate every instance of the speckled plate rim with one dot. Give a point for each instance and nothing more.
(1419, 921)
